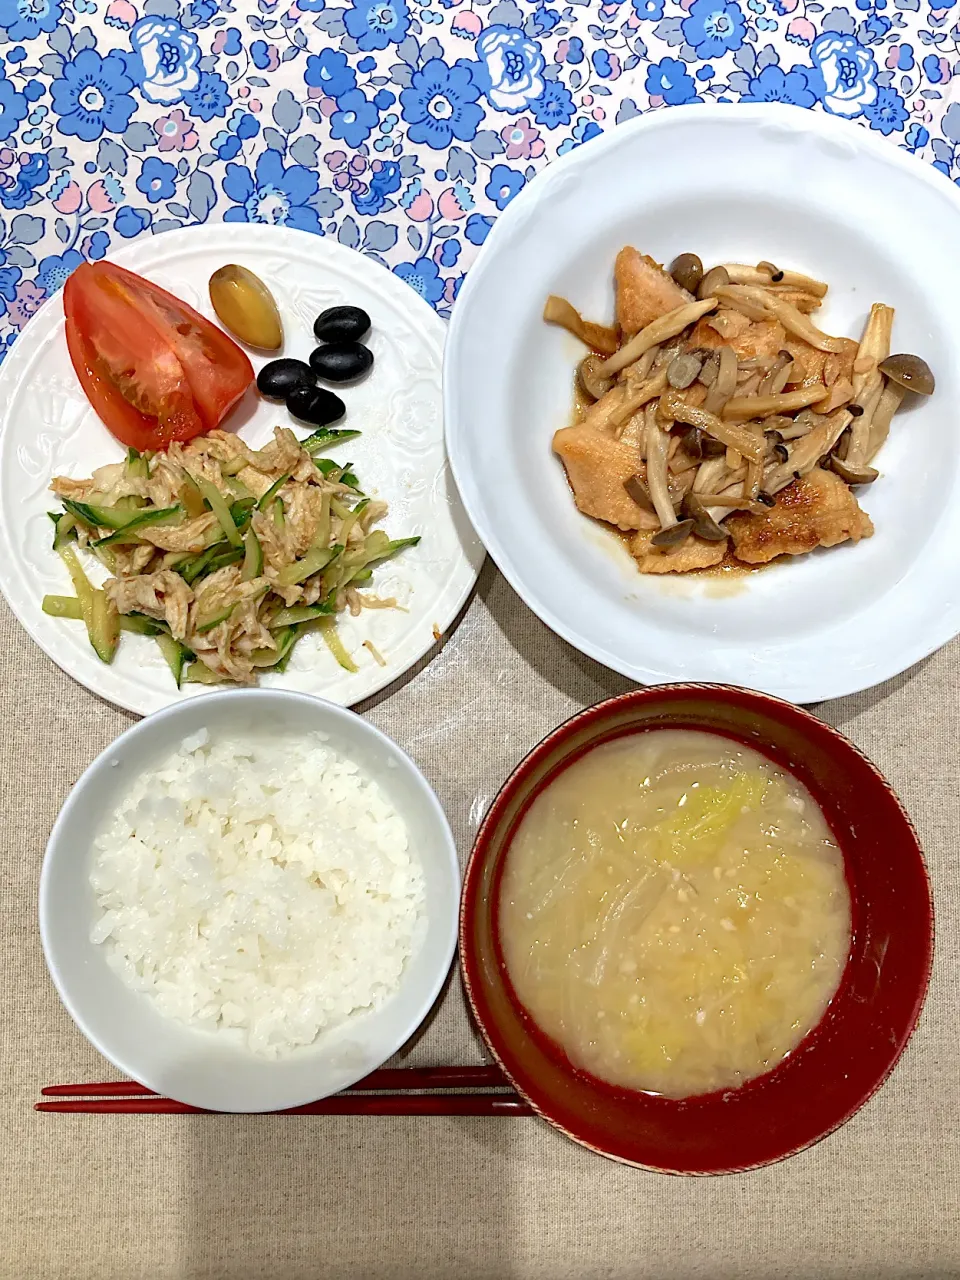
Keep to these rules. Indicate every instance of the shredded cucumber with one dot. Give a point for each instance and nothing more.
(328, 629)
(218, 506)
(315, 560)
(252, 557)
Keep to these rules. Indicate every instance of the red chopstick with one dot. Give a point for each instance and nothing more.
(126, 1097)
(400, 1078)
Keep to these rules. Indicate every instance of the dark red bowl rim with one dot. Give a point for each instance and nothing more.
(469, 901)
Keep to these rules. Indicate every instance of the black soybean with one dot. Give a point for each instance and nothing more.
(341, 361)
(341, 324)
(315, 405)
(278, 378)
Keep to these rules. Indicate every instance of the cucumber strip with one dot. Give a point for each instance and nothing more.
(286, 648)
(284, 640)
(224, 558)
(234, 466)
(326, 466)
(316, 559)
(252, 557)
(66, 531)
(322, 536)
(264, 503)
(62, 607)
(328, 629)
(300, 613)
(104, 626)
(137, 465)
(241, 510)
(139, 624)
(222, 616)
(124, 536)
(325, 436)
(350, 518)
(197, 565)
(218, 506)
(238, 488)
(199, 673)
(81, 584)
(363, 576)
(175, 654)
(278, 516)
(97, 517)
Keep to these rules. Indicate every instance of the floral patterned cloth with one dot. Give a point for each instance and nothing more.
(401, 127)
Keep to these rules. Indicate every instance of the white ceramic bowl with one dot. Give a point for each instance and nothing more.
(731, 183)
(203, 1068)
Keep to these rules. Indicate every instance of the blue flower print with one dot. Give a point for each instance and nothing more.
(584, 130)
(276, 195)
(477, 228)
(713, 27)
(574, 51)
(355, 118)
(917, 137)
(554, 107)
(34, 172)
(55, 269)
(441, 104)
(210, 98)
(509, 70)
(773, 84)
(849, 74)
(158, 180)
(888, 113)
(650, 10)
(227, 146)
(330, 72)
(503, 185)
(376, 23)
(9, 279)
(92, 95)
(423, 276)
(449, 253)
(95, 247)
(13, 108)
(25, 19)
(668, 80)
(264, 56)
(383, 183)
(130, 222)
(169, 57)
(932, 69)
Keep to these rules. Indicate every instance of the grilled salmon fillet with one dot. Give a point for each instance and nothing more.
(692, 554)
(815, 511)
(644, 291)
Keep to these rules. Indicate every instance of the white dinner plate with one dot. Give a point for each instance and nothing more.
(731, 183)
(47, 428)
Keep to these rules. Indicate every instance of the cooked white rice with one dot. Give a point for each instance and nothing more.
(262, 884)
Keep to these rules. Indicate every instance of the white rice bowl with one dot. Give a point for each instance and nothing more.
(260, 884)
(187, 1050)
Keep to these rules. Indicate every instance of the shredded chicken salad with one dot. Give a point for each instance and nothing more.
(715, 412)
(225, 554)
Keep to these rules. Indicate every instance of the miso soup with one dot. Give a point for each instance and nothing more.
(674, 913)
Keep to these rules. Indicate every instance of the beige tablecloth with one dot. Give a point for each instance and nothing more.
(86, 1197)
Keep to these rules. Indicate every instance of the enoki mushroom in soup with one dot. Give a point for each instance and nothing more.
(718, 423)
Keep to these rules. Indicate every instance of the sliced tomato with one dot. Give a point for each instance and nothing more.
(153, 368)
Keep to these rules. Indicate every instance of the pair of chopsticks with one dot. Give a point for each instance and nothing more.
(391, 1091)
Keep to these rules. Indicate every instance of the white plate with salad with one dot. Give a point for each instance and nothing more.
(122, 565)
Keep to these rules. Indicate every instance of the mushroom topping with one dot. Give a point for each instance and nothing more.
(683, 370)
(674, 535)
(704, 525)
(637, 490)
(717, 276)
(559, 311)
(852, 475)
(910, 372)
(590, 379)
(664, 327)
(687, 270)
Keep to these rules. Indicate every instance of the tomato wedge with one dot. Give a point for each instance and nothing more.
(153, 368)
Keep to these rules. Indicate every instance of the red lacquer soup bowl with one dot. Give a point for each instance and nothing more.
(865, 1028)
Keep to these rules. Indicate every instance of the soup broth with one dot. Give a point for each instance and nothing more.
(674, 912)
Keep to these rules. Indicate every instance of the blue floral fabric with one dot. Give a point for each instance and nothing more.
(401, 128)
